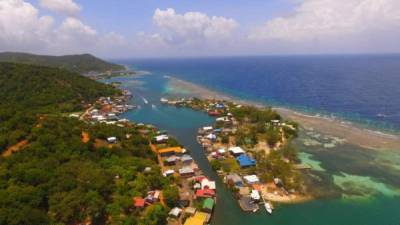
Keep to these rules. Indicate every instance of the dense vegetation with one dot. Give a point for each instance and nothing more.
(56, 177)
(77, 63)
(28, 91)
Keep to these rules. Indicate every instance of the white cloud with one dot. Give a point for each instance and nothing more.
(67, 7)
(192, 26)
(21, 26)
(322, 20)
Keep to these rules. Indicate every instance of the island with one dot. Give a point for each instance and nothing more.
(251, 149)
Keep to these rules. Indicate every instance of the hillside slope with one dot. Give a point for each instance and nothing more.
(33, 87)
(77, 63)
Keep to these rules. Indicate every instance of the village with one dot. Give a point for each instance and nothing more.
(249, 148)
(196, 193)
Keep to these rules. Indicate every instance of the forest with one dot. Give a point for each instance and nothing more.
(57, 177)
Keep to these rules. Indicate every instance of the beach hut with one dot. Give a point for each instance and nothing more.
(208, 205)
(245, 161)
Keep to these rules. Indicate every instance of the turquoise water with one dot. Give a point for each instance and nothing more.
(362, 183)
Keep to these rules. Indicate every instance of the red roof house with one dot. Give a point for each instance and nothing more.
(205, 193)
(138, 202)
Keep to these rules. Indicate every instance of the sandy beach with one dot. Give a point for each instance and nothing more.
(350, 132)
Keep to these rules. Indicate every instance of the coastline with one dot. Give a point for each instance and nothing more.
(353, 134)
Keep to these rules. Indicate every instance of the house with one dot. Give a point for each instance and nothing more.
(111, 140)
(207, 184)
(211, 137)
(183, 203)
(251, 179)
(186, 158)
(255, 195)
(213, 113)
(186, 171)
(236, 151)
(234, 179)
(168, 173)
(205, 193)
(171, 151)
(207, 129)
(221, 151)
(199, 218)
(208, 205)
(161, 138)
(138, 202)
(190, 211)
(175, 212)
(171, 161)
(245, 161)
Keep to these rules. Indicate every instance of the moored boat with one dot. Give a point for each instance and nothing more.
(268, 207)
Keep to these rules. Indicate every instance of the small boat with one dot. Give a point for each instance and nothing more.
(255, 210)
(153, 106)
(164, 100)
(268, 207)
(145, 101)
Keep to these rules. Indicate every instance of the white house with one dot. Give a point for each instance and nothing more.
(251, 179)
(236, 150)
(111, 139)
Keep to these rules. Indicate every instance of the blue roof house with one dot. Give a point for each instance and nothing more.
(245, 161)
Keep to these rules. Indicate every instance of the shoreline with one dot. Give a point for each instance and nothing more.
(353, 134)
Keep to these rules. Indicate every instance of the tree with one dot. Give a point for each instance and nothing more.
(171, 195)
(154, 215)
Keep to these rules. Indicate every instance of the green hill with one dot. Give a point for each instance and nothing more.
(48, 89)
(51, 175)
(77, 63)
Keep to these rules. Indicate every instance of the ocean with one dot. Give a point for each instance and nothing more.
(361, 88)
(363, 184)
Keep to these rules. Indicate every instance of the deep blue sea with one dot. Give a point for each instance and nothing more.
(361, 88)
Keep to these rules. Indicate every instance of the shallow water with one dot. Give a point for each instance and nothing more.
(336, 169)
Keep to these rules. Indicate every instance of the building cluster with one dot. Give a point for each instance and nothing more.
(197, 193)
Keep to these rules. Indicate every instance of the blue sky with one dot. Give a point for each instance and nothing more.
(130, 28)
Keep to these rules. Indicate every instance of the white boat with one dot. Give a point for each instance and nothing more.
(153, 106)
(268, 207)
(164, 100)
(145, 101)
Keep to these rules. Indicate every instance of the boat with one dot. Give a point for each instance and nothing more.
(153, 106)
(268, 207)
(145, 101)
(164, 100)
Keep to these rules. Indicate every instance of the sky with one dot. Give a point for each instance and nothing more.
(180, 28)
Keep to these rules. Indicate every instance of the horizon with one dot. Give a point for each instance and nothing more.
(190, 29)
